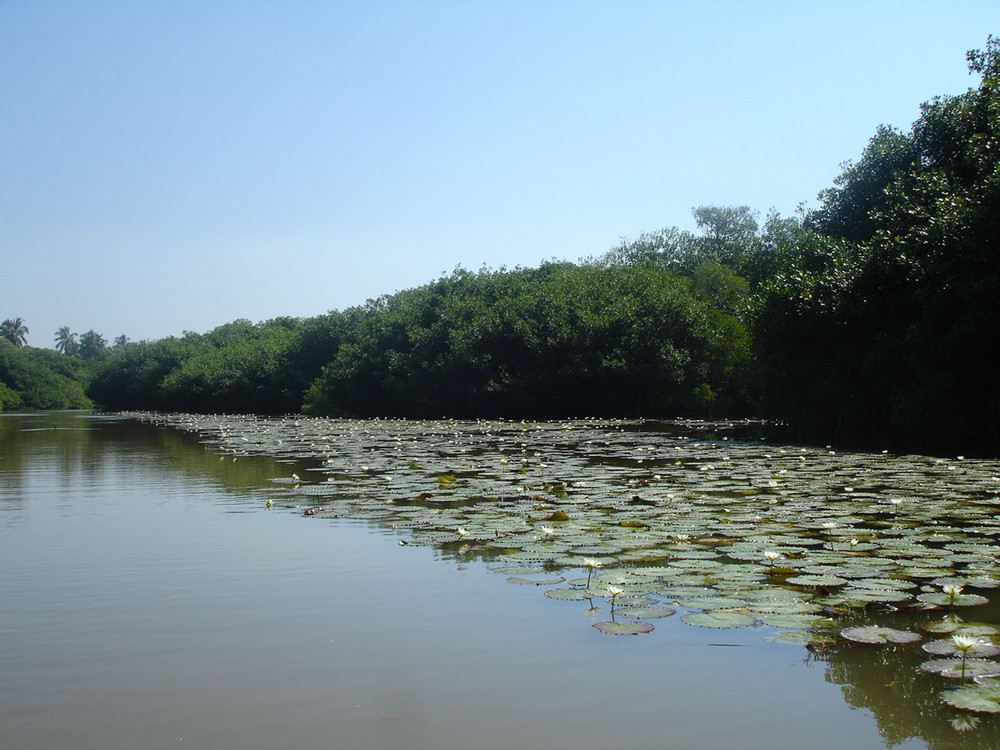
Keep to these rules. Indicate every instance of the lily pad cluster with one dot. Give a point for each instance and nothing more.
(733, 532)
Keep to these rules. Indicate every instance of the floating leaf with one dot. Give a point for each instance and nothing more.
(719, 618)
(941, 599)
(823, 581)
(962, 668)
(796, 622)
(623, 628)
(948, 647)
(568, 594)
(878, 634)
(645, 613)
(981, 698)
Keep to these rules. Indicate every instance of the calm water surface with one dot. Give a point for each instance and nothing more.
(149, 599)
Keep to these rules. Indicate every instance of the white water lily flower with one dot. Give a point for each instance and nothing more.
(592, 565)
(772, 556)
(964, 642)
(462, 531)
(615, 591)
(548, 530)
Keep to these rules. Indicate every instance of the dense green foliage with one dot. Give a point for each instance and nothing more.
(883, 325)
(871, 319)
(33, 378)
(557, 340)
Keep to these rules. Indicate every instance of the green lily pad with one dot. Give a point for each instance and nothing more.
(719, 618)
(981, 698)
(817, 580)
(941, 599)
(570, 595)
(623, 628)
(962, 668)
(794, 622)
(948, 647)
(878, 634)
(645, 613)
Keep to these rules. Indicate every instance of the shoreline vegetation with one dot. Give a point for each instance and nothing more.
(869, 321)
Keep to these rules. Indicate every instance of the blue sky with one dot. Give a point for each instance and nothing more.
(172, 166)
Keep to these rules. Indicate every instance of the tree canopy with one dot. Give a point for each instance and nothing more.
(869, 320)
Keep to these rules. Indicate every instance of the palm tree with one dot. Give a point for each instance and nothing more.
(92, 345)
(122, 341)
(66, 341)
(15, 331)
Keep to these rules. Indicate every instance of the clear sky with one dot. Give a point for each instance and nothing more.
(172, 165)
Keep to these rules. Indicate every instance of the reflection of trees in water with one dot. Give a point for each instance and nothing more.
(887, 681)
(85, 446)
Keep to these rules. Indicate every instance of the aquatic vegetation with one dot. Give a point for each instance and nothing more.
(983, 697)
(879, 634)
(825, 547)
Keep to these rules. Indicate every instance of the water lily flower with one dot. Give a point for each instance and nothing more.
(614, 591)
(953, 592)
(772, 557)
(592, 565)
(462, 531)
(964, 643)
(682, 537)
(548, 531)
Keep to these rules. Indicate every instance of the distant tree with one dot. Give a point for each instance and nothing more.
(37, 378)
(93, 345)
(66, 341)
(15, 331)
(122, 341)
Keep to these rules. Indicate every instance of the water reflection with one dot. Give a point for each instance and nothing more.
(88, 448)
(888, 681)
(676, 674)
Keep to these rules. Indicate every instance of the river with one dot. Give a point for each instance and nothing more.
(152, 597)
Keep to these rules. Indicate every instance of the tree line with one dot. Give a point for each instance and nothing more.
(869, 320)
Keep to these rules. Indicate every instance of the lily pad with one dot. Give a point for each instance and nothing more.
(878, 634)
(948, 647)
(940, 599)
(623, 628)
(962, 668)
(719, 618)
(645, 613)
(570, 595)
(981, 698)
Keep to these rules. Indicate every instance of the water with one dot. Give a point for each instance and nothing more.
(149, 599)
